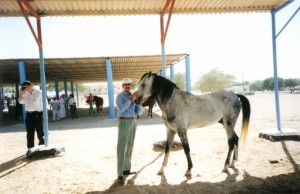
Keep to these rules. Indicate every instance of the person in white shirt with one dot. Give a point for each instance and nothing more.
(54, 106)
(62, 107)
(32, 99)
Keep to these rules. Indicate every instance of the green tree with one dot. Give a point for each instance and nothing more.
(214, 80)
(268, 83)
(290, 83)
(180, 80)
(256, 86)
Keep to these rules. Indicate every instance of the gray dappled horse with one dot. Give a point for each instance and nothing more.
(182, 110)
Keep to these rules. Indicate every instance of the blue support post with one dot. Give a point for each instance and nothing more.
(66, 93)
(110, 89)
(56, 87)
(77, 95)
(1, 98)
(22, 79)
(172, 73)
(44, 93)
(163, 56)
(17, 94)
(72, 87)
(66, 87)
(1, 92)
(275, 71)
(188, 73)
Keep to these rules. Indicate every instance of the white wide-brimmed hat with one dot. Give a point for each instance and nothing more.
(126, 81)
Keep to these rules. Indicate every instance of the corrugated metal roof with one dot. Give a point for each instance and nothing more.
(84, 70)
(135, 7)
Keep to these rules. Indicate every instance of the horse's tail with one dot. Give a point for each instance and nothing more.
(246, 116)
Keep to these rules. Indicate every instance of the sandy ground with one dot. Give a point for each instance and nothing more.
(89, 163)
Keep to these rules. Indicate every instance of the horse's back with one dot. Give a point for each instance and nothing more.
(98, 100)
(207, 109)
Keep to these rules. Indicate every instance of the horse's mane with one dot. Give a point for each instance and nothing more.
(163, 87)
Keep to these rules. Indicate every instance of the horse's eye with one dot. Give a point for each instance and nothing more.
(143, 85)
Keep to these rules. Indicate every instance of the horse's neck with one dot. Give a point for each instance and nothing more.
(163, 105)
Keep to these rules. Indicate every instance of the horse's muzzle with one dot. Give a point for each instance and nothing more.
(138, 100)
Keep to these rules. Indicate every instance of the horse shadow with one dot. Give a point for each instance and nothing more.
(250, 184)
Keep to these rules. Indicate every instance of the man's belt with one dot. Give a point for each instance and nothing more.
(127, 118)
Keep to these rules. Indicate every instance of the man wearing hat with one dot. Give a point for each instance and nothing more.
(127, 112)
(32, 99)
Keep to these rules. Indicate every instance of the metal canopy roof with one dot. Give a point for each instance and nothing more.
(94, 69)
(135, 7)
(84, 70)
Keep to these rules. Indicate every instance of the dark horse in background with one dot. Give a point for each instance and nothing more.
(182, 110)
(150, 102)
(99, 104)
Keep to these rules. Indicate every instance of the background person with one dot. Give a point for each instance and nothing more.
(62, 107)
(32, 99)
(90, 100)
(54, 106)
(73, 108)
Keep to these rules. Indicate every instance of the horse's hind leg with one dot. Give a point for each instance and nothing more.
(233, 146)
(149, 112)
(185, 144)
(101, 110)
(170, 140)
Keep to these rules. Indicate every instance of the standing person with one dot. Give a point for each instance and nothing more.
(127, 111)
(73, 108)
(90, 100)
(32, 99)
(62, 107)
(54, 106)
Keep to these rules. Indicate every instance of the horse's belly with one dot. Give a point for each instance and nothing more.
(202, 121)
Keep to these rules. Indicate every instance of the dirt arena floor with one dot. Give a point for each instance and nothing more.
(88, 164)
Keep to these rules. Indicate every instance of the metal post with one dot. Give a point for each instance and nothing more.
(72, 87)
(110, 88)
(275, 71)
(163, 56)
(22, 79)
(44, 93)
(188, 73)
(172, 73)
(66, 93)
(77, 95)
(56, 87)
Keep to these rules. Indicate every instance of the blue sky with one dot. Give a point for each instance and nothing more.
(238, 44)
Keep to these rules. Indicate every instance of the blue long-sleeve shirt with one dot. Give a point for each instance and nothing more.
(125, 107)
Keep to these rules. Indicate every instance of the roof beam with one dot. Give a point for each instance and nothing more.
(38, 38)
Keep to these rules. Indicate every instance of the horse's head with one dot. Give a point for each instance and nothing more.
(145, 86)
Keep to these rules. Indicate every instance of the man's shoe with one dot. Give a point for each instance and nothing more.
(127, 172)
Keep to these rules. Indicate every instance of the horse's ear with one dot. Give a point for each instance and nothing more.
(149, 74)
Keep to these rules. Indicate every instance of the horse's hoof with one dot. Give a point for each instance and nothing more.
(188, 173)
(231, 166)
(161, 173)
(225, 170)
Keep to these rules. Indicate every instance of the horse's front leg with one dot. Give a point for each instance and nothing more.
(185, 144)
(168, 147)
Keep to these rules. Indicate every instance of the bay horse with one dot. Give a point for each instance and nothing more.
(99, 104)
(150, 102)
(182, 110)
